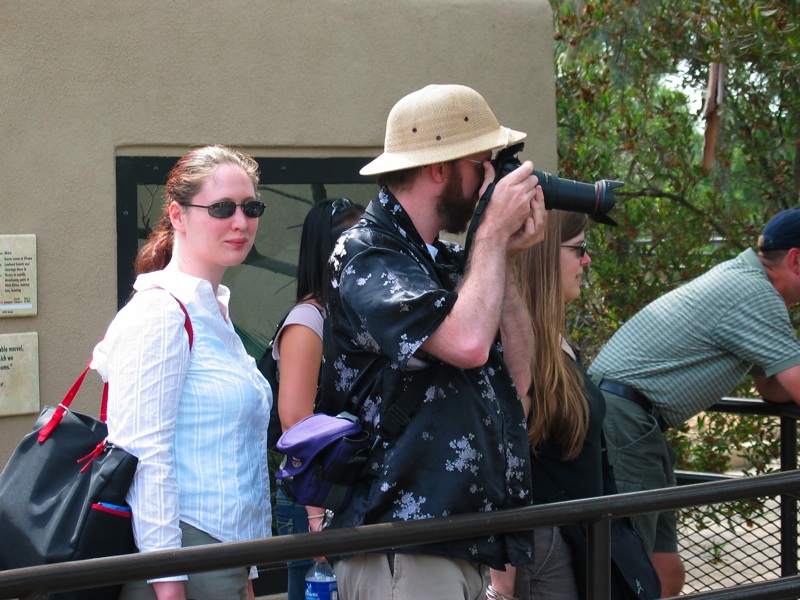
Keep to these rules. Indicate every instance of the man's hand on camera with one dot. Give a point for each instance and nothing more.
(532, 230)
(510, 213)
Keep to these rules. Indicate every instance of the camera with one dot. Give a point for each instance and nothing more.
(594, 199)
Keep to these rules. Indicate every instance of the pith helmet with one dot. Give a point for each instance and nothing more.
(436, 124)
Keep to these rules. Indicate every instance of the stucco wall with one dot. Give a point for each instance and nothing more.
(82, 81)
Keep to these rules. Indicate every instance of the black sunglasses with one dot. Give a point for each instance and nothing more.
(581, 248)
(340, 204)
(225, 209)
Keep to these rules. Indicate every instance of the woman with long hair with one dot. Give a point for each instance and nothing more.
(298, 350)
(195, 417)
(566, 412)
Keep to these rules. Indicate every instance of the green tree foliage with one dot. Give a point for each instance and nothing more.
(626, 73)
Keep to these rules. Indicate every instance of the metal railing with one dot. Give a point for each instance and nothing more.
(788, 414)
(733, 543)
(36, 582)
(702, 489)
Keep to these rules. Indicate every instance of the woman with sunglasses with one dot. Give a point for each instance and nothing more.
(298, 350)
(195, 416)
(564, 421)
(565, 418)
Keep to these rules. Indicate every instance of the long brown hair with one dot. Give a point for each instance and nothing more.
(183, 183)
(560, 412)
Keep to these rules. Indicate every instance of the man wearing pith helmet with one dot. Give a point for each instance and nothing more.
(412, 324)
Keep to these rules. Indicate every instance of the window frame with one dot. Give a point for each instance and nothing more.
(133, 171)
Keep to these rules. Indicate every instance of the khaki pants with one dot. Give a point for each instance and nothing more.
(372, 576)
(227, 584)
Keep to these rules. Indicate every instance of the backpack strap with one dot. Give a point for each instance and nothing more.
(397, 412)
(269, 369)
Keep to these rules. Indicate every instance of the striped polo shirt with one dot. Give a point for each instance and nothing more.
(692, 346)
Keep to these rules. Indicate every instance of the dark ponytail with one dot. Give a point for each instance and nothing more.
(323, 225)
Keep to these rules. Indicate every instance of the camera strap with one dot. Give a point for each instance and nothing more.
(505, 162)
(476, 218)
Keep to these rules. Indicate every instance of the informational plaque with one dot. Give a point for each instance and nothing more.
(19, 373)
(17, 275)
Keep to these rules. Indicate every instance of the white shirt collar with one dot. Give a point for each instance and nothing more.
(433, 250)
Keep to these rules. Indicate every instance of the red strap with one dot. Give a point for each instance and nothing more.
(61, 410)
(89, 458)
(187, 323)
(45, 431)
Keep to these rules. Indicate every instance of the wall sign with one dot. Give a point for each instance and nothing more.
(19, 373)
(18, 275)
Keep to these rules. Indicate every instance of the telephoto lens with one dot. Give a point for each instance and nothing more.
(594, 199)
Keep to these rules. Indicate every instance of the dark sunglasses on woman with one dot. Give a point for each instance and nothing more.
(579, 248)
(225, 209)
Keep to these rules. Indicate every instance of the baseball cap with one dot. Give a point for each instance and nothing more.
(782, 231)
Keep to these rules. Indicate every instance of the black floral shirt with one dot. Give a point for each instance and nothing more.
(465, 448)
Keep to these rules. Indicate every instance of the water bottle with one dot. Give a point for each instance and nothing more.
(321, 582)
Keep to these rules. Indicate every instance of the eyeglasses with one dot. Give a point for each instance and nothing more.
(225, 209)
(580, 248)
(340, 204)
(481, 171)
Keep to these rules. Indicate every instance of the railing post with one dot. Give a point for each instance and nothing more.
(599, 564)
(788, 502)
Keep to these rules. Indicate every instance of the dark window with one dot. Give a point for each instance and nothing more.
(263, 287)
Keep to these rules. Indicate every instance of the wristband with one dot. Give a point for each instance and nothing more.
(493, 594)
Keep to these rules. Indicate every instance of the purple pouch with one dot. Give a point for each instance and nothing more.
(324, 457)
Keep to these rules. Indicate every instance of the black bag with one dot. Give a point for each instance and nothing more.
(62, 492)
(62, 496)
(633, 576)
(269, 369)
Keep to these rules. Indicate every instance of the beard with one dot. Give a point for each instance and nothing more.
(453, 207)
